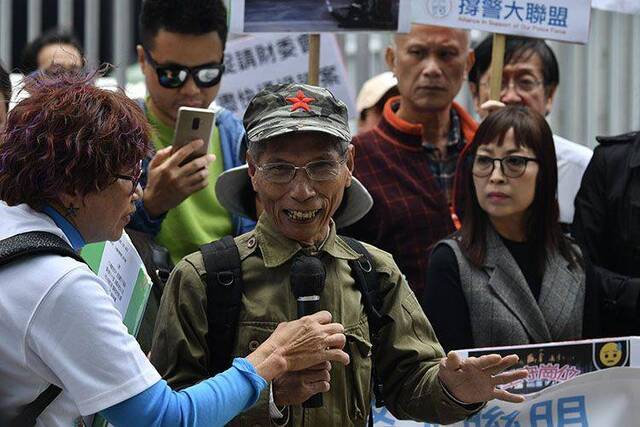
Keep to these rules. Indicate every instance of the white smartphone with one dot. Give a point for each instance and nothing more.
(194, 123)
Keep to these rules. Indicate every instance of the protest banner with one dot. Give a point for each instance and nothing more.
(317, 16)
(314, 17)
(256, 61)
(562, 20)
(581, 383)
(597, 399)
(122, 269)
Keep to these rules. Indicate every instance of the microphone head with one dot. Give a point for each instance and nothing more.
(307, 276)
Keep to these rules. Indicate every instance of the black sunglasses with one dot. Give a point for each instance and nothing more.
(173, 76)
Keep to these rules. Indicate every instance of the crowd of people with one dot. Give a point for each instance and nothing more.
(434, 232)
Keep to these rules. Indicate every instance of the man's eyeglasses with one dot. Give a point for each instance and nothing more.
(510, 166)
(524, 84)
(283, 173)
(135, 178)
(173, 76)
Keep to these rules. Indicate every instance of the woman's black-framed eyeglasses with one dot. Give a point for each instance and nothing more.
(510, 166)
(135, 178)
(173, 76)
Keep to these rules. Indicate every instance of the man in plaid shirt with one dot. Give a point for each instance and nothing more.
(408, 161)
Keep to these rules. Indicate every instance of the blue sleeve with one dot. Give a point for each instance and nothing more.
(140, 220)
(212, 402)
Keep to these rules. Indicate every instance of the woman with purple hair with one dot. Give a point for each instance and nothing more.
(69, 168)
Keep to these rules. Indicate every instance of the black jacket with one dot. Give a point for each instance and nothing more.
(607, 227)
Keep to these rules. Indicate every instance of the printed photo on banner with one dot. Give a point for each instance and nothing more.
(550, 364)
(257, 61)
(318, 16)
(566, 20)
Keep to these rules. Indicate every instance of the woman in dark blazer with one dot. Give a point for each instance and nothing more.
(509, 276)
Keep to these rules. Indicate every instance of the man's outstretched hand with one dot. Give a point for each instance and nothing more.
(475, 379)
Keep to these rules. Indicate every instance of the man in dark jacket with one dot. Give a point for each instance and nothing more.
(607, 226)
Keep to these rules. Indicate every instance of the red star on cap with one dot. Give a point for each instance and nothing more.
(300, 101)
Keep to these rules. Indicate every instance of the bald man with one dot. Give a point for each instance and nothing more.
(408, 161)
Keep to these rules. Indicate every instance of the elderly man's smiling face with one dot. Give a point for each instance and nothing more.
(301, 208)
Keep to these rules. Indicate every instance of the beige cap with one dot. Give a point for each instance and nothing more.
(374, 89)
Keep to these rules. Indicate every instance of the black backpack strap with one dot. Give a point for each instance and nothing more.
(31, 412)
(19, 246)
(224, 299)
(366, 278)
(34, 243)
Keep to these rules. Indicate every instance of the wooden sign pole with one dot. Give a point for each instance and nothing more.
(314, 59)
(497, 63)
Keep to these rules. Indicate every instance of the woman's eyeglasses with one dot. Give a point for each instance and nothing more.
(173, 76)
(510, 166)
(135, 178)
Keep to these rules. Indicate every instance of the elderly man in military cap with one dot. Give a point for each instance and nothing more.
(299, 164)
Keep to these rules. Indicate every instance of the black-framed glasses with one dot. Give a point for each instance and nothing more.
(510, 166)
(523, 84)
(135, 178)
(283, 173)
(173, 76)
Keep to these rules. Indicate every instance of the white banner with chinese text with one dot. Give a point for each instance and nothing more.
(255, 62)
(563, 20)
(598, 399)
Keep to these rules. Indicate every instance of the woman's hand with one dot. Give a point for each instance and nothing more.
(300, 344)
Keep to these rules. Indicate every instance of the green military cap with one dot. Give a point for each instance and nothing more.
(295, 107)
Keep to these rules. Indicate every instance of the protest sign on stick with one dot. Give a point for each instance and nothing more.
(260, 60)
(562, 20)
(314, 58)
(314, 17)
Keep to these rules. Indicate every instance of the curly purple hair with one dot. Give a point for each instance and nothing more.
(69, 137)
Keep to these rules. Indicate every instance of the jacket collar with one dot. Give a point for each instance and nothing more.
(277, 249)
(543, 319)
(409, 134)
(626, 138)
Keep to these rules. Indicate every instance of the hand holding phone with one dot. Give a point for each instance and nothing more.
(192, 124)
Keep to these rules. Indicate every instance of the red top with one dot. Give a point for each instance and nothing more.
(410, 212)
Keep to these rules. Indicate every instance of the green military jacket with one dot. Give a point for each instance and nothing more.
(407, 360)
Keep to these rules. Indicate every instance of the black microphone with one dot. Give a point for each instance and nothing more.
(307, 282)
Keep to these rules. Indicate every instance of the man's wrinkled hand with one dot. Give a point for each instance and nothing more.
(296, 387)
(475, 379)
(169, 181)
(300, 344)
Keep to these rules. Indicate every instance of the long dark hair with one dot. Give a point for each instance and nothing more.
(541, 219)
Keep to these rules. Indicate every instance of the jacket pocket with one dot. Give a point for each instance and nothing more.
(359, 373)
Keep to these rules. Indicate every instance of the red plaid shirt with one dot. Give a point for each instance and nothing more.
(410, 210)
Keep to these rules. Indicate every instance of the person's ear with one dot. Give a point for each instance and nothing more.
(390, 58)
(475, 96)
(550, 94)
(471, 59)
(351, 151)
(141, 59)
(251, 170)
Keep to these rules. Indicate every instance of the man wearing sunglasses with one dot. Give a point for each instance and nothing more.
(530, 78)
(181, 57)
